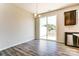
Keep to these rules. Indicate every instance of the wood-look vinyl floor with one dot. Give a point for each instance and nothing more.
(40, 48)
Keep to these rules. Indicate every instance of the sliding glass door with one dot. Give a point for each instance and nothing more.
(48, 28)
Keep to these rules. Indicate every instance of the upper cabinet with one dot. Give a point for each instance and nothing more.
(70, 17)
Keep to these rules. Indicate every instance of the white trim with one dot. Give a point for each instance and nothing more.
(15, 44)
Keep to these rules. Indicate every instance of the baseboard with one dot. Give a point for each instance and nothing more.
(15, 44)
(53, 41)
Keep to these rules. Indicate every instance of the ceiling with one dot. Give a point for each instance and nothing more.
(43, 7)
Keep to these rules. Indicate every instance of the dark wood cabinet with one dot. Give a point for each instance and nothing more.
(75, 39)
(70, 17)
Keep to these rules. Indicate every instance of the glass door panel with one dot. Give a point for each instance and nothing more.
(51, 28)
(43, 28)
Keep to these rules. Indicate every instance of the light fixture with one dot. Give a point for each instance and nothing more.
(36, 15)
(36, 11)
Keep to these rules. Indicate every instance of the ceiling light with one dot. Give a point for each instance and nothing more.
(36, 11)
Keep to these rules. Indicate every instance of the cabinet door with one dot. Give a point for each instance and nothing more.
(67, 18)
(74, 40)
(73, 17)
(70, 39)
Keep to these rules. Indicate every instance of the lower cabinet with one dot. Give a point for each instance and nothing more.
(72, 39)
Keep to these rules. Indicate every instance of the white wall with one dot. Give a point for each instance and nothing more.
(16, 26)
(60, 22)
